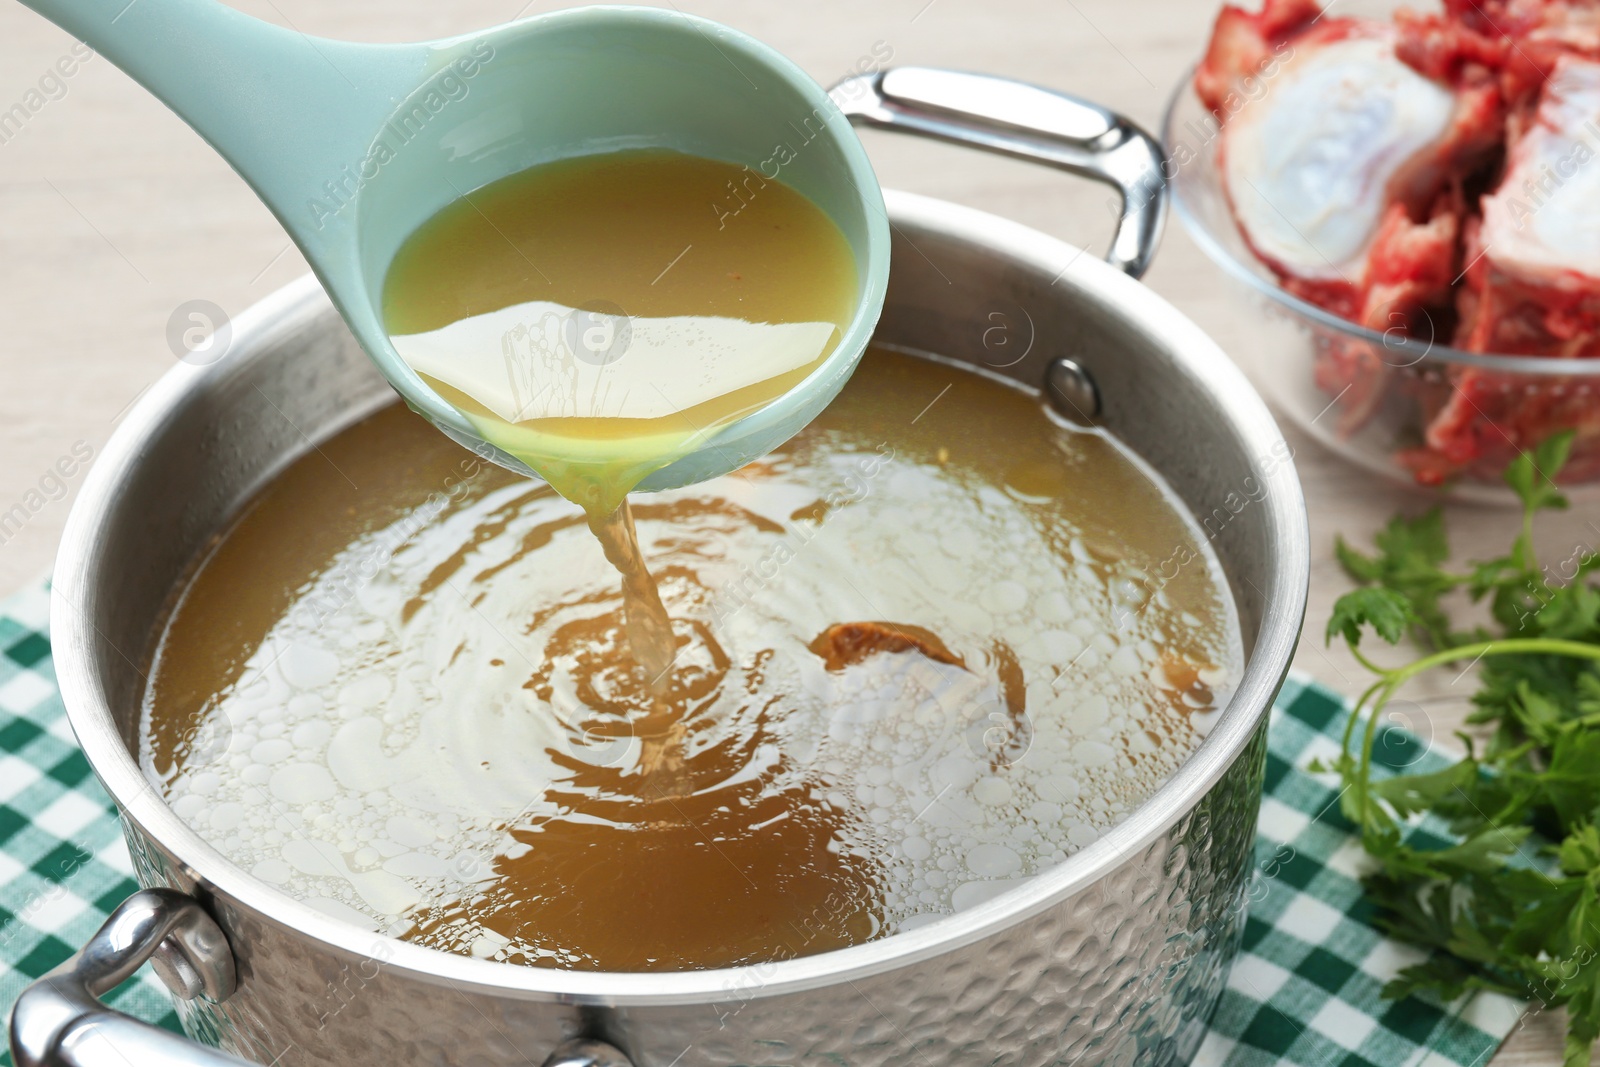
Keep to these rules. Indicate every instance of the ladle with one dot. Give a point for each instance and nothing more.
(353, 145)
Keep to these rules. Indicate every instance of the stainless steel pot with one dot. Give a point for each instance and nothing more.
(1115, 956)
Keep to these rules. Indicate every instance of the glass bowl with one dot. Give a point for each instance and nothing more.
(1409, 408)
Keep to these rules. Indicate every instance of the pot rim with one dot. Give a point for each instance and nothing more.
(267, 322)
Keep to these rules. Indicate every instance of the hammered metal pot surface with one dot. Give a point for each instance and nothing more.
(1116, 956)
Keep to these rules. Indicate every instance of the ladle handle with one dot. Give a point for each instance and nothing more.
(59, 1020)
(1027, 122)
(290, 112)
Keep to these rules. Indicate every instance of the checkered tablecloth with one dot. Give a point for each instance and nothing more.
(63, 863)
(1305, 991)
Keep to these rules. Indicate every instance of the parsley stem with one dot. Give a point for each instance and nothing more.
(1367, 663)
(1545, 646)
(1391, 679)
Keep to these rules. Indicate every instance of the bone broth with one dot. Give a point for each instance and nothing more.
(930, 647)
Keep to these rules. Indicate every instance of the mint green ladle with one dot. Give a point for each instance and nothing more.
(353, 146)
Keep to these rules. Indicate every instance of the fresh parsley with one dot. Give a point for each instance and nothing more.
(1515, 905)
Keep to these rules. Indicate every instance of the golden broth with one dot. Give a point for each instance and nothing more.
(410, 703)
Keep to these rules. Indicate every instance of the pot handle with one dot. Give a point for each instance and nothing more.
(59, 1021)
(1028, 122)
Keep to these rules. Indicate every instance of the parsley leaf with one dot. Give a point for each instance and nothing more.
(1532, 474)
(1499, 909)
(1410, 552)
(1386, 611)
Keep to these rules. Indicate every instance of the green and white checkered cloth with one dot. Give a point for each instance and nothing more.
(1306, 988)
(1303, 992)
(63, 863)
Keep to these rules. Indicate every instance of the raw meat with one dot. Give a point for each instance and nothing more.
(1533, 287)
(1432, 178)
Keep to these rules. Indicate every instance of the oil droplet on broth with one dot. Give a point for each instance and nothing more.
(902, 684)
